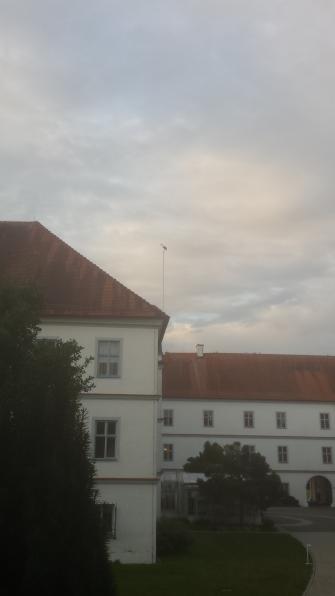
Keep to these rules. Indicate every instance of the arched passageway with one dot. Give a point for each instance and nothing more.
(319, 491)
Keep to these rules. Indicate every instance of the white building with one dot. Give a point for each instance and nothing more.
(281, 406)
(123, 334)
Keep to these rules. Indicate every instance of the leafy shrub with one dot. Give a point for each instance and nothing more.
(173, 537)
(287, 501)
(268, 525)
(203, 524)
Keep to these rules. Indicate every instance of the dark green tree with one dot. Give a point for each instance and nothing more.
(235, 477)
(51, 537)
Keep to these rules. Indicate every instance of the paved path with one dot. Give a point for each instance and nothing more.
(314, 526)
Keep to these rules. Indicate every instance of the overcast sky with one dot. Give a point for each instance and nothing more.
(206, 125)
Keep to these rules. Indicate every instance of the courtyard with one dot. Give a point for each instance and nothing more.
(236, 563)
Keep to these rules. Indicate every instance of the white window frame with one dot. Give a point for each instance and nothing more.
(281, 420)
(106, 435)
(324, 420)
(51, 339)
(251, 449)
(249, 419)
(108, 510)
(208, 418)
(168, 452)
(168, 496)
(327, 455)
(282, 451)
(168, 417)
(286, 488)
(109, 359)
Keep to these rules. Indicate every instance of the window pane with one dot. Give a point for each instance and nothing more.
(107, 518)
(250, 449)
(327, 455)
(113, 369)
(324, 419)
(108, 360)
(285, 488)
(248, 419)
(114, 348)
(111, 427)
(103, 348)
(168, 417)
(281, 419)
(168, 502)
(102, 369)
(110, 447)
(208, 418)
(168, 452)
(191, 505)
(99, 447)
(107, 514)
(100, 427)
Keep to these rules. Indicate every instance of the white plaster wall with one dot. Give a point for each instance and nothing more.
(302, 454)
(139, 358)
(297, 482)
(136, 521)
(136, 450)
(303, 436)
(130, 479)
(303, 419)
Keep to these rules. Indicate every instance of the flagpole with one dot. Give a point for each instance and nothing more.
(164, 249)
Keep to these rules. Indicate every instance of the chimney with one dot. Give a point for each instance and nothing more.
(199, 348)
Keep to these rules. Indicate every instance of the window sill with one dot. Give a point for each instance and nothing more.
(105, 458)
(108, 378)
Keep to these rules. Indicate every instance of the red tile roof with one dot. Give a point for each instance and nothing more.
(70, 284)
(249, 377)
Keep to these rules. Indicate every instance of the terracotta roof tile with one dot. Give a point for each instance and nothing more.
(249, 377)
(70, 284)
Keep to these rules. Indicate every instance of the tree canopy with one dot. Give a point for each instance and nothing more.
(51, 536)
(235, 475)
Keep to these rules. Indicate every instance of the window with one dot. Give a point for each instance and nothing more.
(105, 439)
(168, 496)
(285, 488)
(107, 515)
(324, 420)
(50, 341)
(168, 417)
(282, 454)
(108, 364)
(168, 452)
(281, 419)
(191, 504)
(250, 449)
(248, 419)
(208, 418)
(327, 457)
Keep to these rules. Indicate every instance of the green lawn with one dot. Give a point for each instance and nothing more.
(234, 564)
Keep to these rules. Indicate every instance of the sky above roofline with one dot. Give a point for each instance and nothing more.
(204, 126)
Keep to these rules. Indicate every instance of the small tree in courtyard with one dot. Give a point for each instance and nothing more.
(51, 537)
(235, 477)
